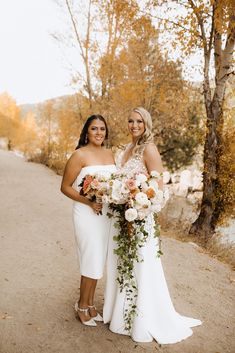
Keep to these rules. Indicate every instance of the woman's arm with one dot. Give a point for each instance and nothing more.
(153, 161)
(72, 169)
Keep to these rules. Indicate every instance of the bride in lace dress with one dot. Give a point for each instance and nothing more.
(156, 316)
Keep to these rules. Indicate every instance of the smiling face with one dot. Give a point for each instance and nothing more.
(96, 132)
(136, 125)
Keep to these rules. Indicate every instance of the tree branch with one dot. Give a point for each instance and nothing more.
(201, 25)
(75, 28)
(165, 19)
(212, 31)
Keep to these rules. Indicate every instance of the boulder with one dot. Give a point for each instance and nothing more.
(185, 179)
(166, 177)
(197, 184)
(175, 178)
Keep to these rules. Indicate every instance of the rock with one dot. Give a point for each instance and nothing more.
(195, 197)
(175, 189)
(166, 177)
(179, 212)
(197, 184)
(175, 178)
(227, 231)
(185, 181)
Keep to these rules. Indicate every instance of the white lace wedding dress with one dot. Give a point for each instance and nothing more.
(91, 230)
(156, 317)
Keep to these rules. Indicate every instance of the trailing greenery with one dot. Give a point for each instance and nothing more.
(131, 236)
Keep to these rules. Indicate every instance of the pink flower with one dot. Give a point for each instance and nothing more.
(87, 183)
(131, 184)
(94, 183)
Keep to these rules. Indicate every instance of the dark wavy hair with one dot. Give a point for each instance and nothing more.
(82, 140)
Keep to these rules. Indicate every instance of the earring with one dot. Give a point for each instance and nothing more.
(86, 139)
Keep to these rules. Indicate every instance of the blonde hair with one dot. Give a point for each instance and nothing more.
(147, 136)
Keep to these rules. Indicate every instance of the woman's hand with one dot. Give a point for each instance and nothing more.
(97, 207)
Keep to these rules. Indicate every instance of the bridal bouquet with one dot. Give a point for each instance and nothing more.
(139, 194)
(133, 201)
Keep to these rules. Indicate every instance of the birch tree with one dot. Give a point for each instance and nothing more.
(207, 25)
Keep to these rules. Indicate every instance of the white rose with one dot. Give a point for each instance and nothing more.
(124, 189)
(144, 186)
(147, 205)
(154, 184)
(141, 198)
(140, 178)
(158, 198)
(142, 214)
(131, 214)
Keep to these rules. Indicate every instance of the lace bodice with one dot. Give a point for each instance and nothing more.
(133, 165)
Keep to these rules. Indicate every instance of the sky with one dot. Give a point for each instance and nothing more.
(32, 66)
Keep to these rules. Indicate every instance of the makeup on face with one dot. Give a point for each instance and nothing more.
(136, 125)
(96, 132)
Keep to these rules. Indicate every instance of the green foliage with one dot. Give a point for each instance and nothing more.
(130, 237)
(178, 145)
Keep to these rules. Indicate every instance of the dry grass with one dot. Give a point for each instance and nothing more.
(224, 252)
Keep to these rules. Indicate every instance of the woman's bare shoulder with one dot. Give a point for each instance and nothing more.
(78, 156)
(150, 148)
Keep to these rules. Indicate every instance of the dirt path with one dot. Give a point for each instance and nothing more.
(39, 277)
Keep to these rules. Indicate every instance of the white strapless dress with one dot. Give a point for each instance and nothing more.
(91, 230)
(156, 316)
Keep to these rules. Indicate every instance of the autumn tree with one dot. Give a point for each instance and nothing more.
(208, 26)
(117, 19)
(28, 140)
(67, 131)
(68, 127)
(119, 47)
(141, 75)
(47, 124)
(9, 119)
(97, 29)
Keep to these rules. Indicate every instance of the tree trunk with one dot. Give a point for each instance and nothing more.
(204, 226)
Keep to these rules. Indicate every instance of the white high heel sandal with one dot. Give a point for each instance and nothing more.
(98, 317)
(90, 322)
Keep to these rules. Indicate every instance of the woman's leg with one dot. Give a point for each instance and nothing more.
(85, 290)
(93, 311)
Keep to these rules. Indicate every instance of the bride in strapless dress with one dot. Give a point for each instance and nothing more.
(91, 228)
(156, 316)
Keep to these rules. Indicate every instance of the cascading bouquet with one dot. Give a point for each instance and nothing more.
(133, 201)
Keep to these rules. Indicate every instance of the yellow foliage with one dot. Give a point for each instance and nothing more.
(9, 118)
(226, 188)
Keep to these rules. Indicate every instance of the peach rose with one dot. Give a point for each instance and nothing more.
(150, 193)
(87, 184)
